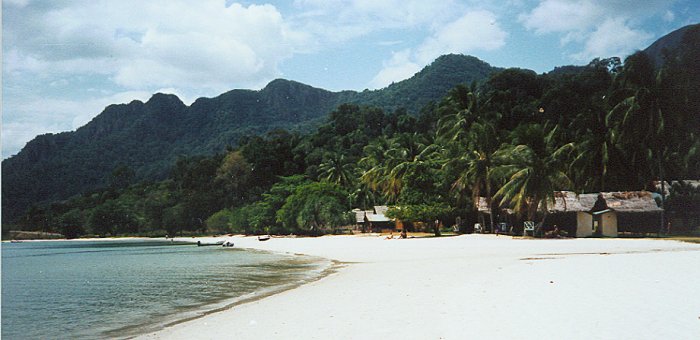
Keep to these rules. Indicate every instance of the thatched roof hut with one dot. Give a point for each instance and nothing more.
(373, 218)
(483, 207)
(628, 201)
(632, 211)
(566, 201)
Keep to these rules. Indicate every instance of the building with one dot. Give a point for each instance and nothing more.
(373, 220)
(600, 214)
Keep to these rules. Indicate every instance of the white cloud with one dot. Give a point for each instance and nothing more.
(160, 44)
(602, 28)
(18, 3)
(562, 16)
(473, 31)
(669, 16)
(612, 38)
(398, 67)
(341, 20)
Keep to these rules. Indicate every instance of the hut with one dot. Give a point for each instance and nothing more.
(611, 213)
(502, 215)
(595, 218)
(566, 213)
(603, 214)
(373, 220)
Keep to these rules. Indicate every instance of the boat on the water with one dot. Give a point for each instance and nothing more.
(216, 243)
(263, 237)
(228, 244)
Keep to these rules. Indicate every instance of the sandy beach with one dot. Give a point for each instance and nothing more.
(473, 287)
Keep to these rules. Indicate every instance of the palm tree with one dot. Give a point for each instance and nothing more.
(336, 168)
(475, 163)
(639, 118)
(597, 153)
(373, 163)
(463, 107)
(471, 141)
(534, 169)
(387, 162)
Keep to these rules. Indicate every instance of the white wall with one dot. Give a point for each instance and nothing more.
(609, 220)
(584, 224)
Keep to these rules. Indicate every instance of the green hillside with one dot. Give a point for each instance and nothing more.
(149, 137)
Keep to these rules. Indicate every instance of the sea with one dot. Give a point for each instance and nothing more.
(123, 288)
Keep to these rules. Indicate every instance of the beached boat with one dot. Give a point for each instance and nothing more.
(216, 243)
(263, 237)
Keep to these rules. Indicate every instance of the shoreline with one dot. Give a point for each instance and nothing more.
(222, 306)
(481, 285)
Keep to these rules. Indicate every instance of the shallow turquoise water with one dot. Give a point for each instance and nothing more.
(84, 289)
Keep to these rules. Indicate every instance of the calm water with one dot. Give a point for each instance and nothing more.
(123, 288)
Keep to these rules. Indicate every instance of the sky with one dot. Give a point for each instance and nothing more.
(64, 61)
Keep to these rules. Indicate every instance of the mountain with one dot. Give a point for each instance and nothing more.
(149, 137)
(668, 42)
(430, 84)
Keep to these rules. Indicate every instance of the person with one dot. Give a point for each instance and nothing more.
(391, 236)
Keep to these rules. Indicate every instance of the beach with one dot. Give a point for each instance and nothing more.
(472, 286)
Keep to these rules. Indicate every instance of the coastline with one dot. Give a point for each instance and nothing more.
(480, 286)
(130, 332)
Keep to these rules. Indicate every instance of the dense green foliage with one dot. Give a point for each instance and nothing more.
(514, 139)
(150, 137)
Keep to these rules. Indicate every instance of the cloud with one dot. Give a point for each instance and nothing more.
(400, 66)
(612, 38)
(669, 16)
(602, 28)
(161, 44)
(477, 30)
(336, 21)
(561, 16)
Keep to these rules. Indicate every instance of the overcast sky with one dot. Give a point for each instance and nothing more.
(64, 61)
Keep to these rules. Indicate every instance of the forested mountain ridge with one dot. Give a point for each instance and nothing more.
(149, 137)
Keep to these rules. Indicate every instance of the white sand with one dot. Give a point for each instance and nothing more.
(474, 287)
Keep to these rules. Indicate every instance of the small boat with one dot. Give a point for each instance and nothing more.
(228, 244)
(202, 244)
(263, 237)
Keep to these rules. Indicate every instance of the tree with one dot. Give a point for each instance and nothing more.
(315, 208)
(234, 176)
(402, 155)
(220, 222)
(110, 218)
(534, 170)
(336, 168)
(122, 177)
(72, 224)
(430, 214)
